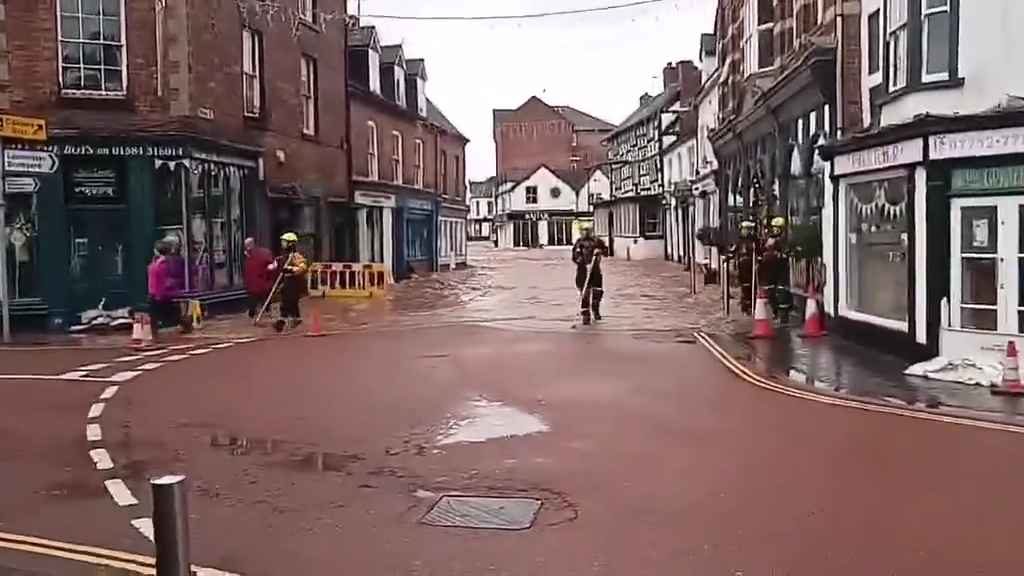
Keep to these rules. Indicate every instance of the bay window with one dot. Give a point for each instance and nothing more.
(92, 48)
(896, 40)
(935, 21)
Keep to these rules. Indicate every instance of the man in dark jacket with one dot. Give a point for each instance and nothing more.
(292, 267)
(587, 254)
(258, 280)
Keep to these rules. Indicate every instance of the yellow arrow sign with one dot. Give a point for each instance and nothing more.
(21, 127)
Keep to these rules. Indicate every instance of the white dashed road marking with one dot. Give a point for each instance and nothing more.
(150, 366)
(200, 351)
(120, 492)
(93, 367)
(101, 458)
(93, 433)
(128, 358)
(109, 392)
(176, 358)
(145, 526)
(181, 347)
(223, 345)
(124, 376)
(245, 340)
(152, 353)
(96, 410)
(73, 375)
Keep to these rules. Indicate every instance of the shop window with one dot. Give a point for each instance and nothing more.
(22, 234)
(418, 243)
(92, 48)
(560, 232)
(876, 247)
(979, 268)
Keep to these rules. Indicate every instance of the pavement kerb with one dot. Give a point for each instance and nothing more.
(793, 389)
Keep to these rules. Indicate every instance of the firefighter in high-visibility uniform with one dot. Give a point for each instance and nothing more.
(745, 251)
(292, 267)
(586, 254)
(773, 270)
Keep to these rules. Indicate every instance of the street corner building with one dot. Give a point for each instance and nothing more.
(481, 209)
(926, 233)
(632, 220)
(409, 206)
(550, 169)
(200, 121)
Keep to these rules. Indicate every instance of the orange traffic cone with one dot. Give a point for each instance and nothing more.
(315, 328)
(142, 330)
(763, 327)
(1011, 384)
(814, 325)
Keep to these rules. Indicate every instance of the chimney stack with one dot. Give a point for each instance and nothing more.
(689, 79)
(670, 76)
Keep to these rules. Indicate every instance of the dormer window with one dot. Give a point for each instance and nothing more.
(374, 69)
(400, 87)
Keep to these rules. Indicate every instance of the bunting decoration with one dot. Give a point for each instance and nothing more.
(879, 199)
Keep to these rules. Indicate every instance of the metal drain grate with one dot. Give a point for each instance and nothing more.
(483, 513)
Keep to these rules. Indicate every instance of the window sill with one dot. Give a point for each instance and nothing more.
(924, 87)
(93, 95)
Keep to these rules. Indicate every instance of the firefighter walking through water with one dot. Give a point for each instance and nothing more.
(587, 254)
(291, 265)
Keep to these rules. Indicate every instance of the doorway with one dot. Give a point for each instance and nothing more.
(987, 259)
(99, 257)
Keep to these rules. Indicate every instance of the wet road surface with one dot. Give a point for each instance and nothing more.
(321, 456)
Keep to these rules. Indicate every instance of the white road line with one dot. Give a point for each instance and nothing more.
(120, 492)
(176, 358)
(223, 345)
(200, 571)
(96, 410)
(109, 392)
(150, 366)
(92, 367)
(145, 526)
(200, 351)
(124, 376)
(181, 347)
(74, 375)
(152, 353)
(93, 432)
(245, 340)
(128, 358)
(101, 458)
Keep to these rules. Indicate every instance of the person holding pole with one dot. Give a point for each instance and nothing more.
(292, 267)
(586, 254)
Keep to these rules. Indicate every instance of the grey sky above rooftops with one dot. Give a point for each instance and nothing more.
(598, 63)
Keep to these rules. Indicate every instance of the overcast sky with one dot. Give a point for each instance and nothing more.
(600, 63)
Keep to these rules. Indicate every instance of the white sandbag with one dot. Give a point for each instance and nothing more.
(963, 371)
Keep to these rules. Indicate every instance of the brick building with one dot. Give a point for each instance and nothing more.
(408, 162)
(202, 121)
(559, 137)
(778, 91)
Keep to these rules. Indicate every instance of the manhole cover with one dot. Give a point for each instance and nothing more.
(485, 513)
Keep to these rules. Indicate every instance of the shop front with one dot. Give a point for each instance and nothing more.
(452, 236)
(418, 224)
(375, 222)
(83, 218)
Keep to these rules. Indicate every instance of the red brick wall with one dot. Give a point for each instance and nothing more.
(202, 56)
(590, 150)
(366, 108)
(455, 149)
(524, 145)
(850, 56)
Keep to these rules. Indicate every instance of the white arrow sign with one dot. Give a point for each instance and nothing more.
(21, 184)
(31, 161)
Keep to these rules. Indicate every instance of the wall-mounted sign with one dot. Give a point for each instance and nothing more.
(31, 161)
(21, 127)
(94, 184)
(420, 204)
(991, 179)
(880, 157)
(977, 143)
(374, 199)
(21, 185)
(105, 150)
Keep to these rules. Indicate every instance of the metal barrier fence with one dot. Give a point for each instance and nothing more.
(339, 280)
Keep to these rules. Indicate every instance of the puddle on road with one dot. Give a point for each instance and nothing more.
(485, 420)
(294, 457)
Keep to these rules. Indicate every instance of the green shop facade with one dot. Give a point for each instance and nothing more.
(83, 217)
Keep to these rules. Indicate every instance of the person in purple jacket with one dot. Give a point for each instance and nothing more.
(162, 288)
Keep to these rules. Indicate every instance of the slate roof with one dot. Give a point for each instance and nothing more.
(416, 67)
(435, 115)
(390, 54)
(653, 106)
(484, 189)
(361, 37)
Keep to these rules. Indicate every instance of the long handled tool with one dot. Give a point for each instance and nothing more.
(583, 293)
(273, 291)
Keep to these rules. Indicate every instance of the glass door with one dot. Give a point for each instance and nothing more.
(987, 260)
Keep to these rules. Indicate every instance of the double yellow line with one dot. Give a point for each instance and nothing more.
(133, 563)
(752, 377)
